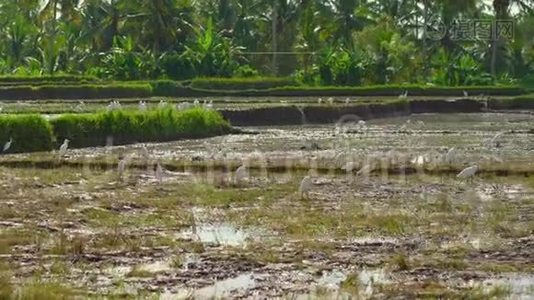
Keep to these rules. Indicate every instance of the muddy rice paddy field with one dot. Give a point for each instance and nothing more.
(404, 227)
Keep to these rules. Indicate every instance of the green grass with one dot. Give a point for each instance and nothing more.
(28, 133)
(135, 126)
(40, 290)
(76, 91)
(32, 133)
(352, 284)
(87, 88)
(12, 80)
(252, 83)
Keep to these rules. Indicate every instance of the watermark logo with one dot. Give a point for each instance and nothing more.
(470, 29)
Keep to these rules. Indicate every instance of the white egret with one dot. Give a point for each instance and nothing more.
(348, 167)
(144, 152)
(196, 102)
(113, 105)
(466, 94)
(493, 140)
(7, 145)
(241, 174)
(320, 101)
(122, 166)
(183, 106)
(63, 148)
(305, 187)
(347, 101)
(468, 172)
(365, 170)
(162, 104)
(404, 95)
(142, 106)
(361, 125)
(209, 105)
(330, 100)
(80, 106)
(159, 173)
(449, 157)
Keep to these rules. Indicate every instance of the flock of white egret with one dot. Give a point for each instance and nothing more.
(364, 169)
(242, 173)
(451, 156)
(143, 105)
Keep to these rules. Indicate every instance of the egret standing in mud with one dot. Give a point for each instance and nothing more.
(449, 157)
(159, 173)
(144, 153)
(494, 140)
(241, 174)
(63, 148)
(365, 170)
(348, 167)
(468, 172)
(404, 95)
(122, 166)
(7, 145)
(305, 187)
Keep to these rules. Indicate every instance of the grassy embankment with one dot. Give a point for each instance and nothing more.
(65, 87)
(34, 133)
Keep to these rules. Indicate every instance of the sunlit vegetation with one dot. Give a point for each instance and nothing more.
(33, 133)
(316, 42)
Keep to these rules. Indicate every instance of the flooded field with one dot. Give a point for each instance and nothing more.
(52, 106)
(384, 214)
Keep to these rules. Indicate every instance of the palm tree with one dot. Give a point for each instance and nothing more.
(501, 9)
(160, 24)
(101, 22)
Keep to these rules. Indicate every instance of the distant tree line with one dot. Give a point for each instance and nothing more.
(320, 42)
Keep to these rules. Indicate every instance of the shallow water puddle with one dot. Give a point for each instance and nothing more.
(367, 277)
(220, 289)
(521, 286)
(509, 192)
(332, 281)
(219, 234)
(157, 266)
(370, 277)
(224, 287)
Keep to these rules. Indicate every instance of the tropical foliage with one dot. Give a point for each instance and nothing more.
(334, 42)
